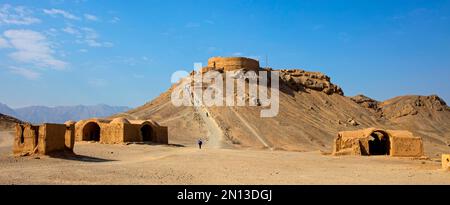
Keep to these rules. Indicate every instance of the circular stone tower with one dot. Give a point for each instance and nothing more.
(233, 63)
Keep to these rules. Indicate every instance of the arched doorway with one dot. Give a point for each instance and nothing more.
(146, 133)
(91, 132)
(379, 143)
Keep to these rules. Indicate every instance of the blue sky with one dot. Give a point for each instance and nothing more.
(61, 52)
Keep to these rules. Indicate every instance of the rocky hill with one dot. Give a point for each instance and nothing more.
(312, 111)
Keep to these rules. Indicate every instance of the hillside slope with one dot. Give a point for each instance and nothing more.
(312, 111)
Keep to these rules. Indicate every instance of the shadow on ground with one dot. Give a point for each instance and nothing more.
(77, 157)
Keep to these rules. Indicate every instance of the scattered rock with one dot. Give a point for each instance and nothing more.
(366, 102)
(352, 122)
(298, 80)
(412, 105)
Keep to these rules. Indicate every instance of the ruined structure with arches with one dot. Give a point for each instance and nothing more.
(44, 139)
(120, 130)
(373, 141)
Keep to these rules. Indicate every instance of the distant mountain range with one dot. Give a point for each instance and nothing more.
(60, 114)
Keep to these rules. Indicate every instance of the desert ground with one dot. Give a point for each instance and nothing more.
(97, 163)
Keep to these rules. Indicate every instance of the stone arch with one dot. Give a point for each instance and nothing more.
(379, 143)
(91, 131)
(146, 132)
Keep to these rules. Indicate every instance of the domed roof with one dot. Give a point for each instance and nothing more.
(153, 122)
(120, 120)
(70, 122)
(79, 123)
(141, 122)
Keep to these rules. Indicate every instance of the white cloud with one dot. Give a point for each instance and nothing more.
(51, 32)
(16, 15)
(65, 14)
(91, 37)
(86, 36)
(91, 17)
(33, 47)
(71, 30)
(4, 43)
(237, 54)
(27, 73)
(115, 19)
(83, 50)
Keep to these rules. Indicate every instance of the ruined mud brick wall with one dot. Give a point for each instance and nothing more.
(80, 125)
(26, 139)
(121, 130)
(351, 143)
(446, 162)
(401, 143)
(70, 135)
(112, 133)
(231, 63)
(79, 130)
(404, 144)
(51, 138)
(43, 139)
(132, 133)
(162, 135)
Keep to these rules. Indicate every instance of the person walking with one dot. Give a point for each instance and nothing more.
(200, 142)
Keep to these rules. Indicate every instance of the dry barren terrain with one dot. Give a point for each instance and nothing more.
(171, 164)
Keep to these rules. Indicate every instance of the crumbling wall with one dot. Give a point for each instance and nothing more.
(26, 139)
(351, 143)
(51, 138)
(122, 130)
(162, 135)
(404, 144)
(44, 139)
(79, 130)
(446, 162)
(132, 133)
(112, 133)
(401, 143)
(80, 126)
(70, 135)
